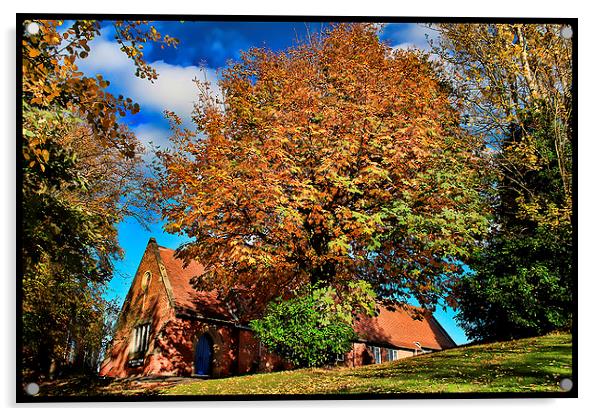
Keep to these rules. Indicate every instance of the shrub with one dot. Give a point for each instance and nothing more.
(315, 325)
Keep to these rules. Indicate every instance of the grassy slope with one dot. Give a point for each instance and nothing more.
(533, 364)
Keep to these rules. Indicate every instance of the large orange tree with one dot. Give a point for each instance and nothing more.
(335, 161)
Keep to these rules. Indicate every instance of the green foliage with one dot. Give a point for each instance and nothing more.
(54, 224)
(63, 308)
(522, 286)
(514, 82)
(65, 321)
(315, 325)
(523, 279)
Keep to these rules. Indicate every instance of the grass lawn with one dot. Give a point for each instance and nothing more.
(527, 365)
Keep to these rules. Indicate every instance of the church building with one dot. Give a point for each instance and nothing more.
(166, 327)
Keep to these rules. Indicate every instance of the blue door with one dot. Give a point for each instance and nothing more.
(202, 357)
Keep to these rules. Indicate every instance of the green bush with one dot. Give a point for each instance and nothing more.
(315, 325)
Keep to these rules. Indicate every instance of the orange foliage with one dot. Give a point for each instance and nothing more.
(337, 160)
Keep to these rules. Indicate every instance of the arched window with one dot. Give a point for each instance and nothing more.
(146, 280)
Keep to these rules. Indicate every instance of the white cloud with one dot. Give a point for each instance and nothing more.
(415, 37)
(152, 135)
(104, 57)
(174, 89)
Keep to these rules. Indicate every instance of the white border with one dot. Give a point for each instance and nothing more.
(590, 140)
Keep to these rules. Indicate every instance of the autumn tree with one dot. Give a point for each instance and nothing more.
(514, 84)
(335, 161)
(80, 174)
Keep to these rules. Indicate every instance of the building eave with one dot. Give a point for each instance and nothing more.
(164, 276)
(181, 313)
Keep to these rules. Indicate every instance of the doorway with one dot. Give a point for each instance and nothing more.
(203, 356)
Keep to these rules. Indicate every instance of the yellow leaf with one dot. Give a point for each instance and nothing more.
(33, 53)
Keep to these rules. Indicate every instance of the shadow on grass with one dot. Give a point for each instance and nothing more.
(521, 365)
(99, 386)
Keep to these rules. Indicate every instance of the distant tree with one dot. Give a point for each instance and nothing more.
(514, 83)
(338, 160)
(81, 174)
(312, 327)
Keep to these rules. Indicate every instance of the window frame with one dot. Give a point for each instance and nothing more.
(376, 354)
(141, 337)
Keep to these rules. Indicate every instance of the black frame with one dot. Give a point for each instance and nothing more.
(23, 397)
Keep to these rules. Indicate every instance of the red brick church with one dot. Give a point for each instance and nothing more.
(166, 327)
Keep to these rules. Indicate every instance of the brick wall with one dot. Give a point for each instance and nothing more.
(148, 304)
(172, 339)
(360, 354)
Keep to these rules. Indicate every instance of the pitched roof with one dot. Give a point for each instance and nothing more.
(396, 328)
(186, 297)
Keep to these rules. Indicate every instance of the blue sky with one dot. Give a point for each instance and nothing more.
(207, 45)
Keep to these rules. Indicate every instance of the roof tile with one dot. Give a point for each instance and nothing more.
(391, 327)
(399, 328)
(186, 297)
